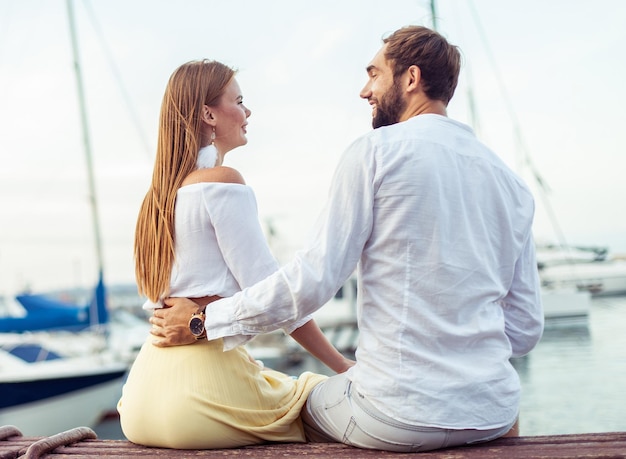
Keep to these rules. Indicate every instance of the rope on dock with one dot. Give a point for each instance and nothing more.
(9, 431)
(45, 445)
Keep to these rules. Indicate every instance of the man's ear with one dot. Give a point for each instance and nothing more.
(208, 115)
(414, 76)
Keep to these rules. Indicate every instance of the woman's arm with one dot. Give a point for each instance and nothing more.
(315, 342)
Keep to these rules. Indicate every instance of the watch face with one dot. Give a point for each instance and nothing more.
(196, 325)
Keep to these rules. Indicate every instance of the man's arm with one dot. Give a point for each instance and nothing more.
(170, 325)
(305, 284)
(523, 312)
(171, 328)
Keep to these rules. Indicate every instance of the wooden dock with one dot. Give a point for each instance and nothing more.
(82, 442)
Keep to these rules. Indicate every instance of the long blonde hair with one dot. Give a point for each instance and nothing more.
(191, 86)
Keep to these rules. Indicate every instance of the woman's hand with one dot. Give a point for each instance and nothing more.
(347, 364)
(170, 325)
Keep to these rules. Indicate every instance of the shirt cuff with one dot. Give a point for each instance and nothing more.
(294, 326)
(219, 323)
(231, 342)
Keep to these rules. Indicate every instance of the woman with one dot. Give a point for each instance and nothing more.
(199, 221)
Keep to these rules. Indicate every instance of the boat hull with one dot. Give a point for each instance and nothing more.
(599, 278)
(81, 407)
(565, 303)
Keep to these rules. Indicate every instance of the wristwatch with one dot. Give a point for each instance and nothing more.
(196, 324)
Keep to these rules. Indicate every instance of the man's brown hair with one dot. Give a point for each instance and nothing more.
(438, 60)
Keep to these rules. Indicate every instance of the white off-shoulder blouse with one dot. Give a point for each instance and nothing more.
(220, 246)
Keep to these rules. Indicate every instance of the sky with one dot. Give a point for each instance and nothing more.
(542, 84)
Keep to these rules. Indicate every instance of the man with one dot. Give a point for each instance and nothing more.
(448, 289)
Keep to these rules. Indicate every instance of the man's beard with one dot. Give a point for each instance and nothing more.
(390, 107)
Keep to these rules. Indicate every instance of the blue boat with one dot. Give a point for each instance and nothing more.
(58, 368)
(46, 313)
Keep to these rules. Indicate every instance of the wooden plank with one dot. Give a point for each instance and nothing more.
(598, 445)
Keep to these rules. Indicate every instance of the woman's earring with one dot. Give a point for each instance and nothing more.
(213, 136)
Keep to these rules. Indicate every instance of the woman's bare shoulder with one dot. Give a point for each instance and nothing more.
(221, 174)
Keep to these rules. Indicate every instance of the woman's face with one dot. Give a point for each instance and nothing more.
(231, 119)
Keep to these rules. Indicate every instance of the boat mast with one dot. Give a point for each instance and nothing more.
(433, 13)
(87, 147)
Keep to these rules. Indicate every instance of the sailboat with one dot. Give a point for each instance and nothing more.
(599, 278)
(58, 368)
(51, 382)
(46, 313)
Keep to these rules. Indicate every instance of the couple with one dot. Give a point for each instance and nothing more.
(448, 290)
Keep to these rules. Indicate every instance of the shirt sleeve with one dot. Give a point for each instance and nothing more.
(523, 311)
(234, 216)
(305, 284)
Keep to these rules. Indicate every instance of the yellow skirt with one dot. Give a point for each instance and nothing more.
(200, 397)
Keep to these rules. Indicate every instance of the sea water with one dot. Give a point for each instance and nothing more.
(574, 381)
